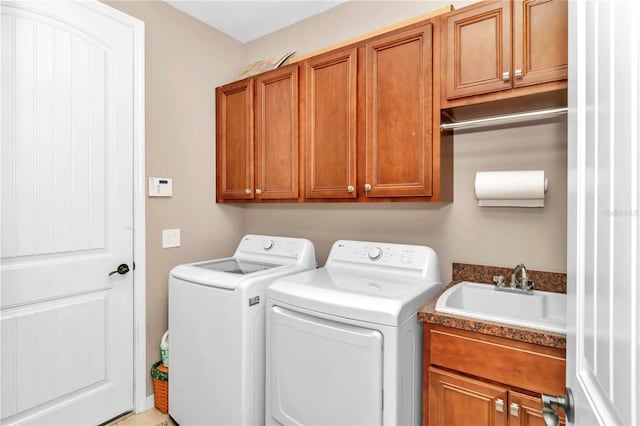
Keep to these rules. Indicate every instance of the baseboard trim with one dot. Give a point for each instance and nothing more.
(150, 402)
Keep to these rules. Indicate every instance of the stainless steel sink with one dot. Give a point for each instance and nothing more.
(541, 310)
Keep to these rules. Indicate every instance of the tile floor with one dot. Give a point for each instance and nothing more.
(151, 417)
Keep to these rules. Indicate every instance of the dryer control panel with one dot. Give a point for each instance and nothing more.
(373, 256)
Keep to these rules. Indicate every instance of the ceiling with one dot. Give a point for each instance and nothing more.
(246, 20)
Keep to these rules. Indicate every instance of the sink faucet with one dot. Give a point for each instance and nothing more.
(522, 281)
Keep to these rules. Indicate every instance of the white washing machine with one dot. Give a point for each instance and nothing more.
(344, 344)
(217, 326)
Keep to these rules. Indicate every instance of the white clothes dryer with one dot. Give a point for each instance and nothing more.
(217, 325)
(344, 343)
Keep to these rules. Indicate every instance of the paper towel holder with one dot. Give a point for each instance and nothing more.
(517, 188)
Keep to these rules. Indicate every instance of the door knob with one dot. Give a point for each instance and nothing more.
(247, 191)
(559, 402)
(350, 188)
(258, 191)
(506, 76)
(122, 269)
(367, 187)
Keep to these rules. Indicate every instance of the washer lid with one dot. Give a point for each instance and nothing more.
(236, 266)
(228, 272)
(380, 299)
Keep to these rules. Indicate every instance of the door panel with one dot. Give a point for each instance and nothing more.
(458, 401)
(603, 206)
(330, 137)
(234, 108)
(67, 213)
(277, 134)
(478, 49)
(399, 111)
(540, 41)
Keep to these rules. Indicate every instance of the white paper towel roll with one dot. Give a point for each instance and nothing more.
(522, 188)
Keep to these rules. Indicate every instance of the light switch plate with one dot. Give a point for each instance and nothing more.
(170, 238)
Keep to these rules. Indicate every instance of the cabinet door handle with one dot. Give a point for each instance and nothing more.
(247, 191)
(499, 405)
(350, 188)
(506, 76)
(518, 73)
(258, 191)
(367, 187)
(514, 409)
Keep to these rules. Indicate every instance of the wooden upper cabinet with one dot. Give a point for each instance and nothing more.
(276, 137)
(399, 114)
(478, 49)
(458, 400)
(493, 47)
(234, 141)
(540, 42)
(330, 95)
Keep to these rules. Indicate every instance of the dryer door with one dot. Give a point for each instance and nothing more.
(324, 372)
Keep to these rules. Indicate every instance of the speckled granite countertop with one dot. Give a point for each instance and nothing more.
(547, 281)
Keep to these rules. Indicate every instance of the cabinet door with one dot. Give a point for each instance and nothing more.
(477, 44)
(234, 141)
(330, 125)
(456, 400)
(525, 410)
(399, 114)
(540, 41)
(277, 134)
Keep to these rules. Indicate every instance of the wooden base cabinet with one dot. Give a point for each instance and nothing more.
(494, 50)
(473, 379)
(457, 400)
(257, 138)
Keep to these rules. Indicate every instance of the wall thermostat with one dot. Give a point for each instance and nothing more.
(160, 187)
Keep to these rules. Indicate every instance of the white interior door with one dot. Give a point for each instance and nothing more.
(603, 212)
(67, 213)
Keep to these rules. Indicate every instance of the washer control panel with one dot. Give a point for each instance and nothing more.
(272, 246)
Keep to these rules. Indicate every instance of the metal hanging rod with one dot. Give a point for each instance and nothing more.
(502, 119)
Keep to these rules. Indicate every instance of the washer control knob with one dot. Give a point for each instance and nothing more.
(375, 253)
(267, 245)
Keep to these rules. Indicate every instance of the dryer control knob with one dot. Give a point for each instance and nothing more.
(268, 245)
(375, 253)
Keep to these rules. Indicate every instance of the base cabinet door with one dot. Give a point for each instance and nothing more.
(456, 400)
(526, 410)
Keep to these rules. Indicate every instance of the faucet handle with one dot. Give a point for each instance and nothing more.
(499, 280)
(528, 285)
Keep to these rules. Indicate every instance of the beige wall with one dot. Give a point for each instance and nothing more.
(461, 231)
(185, 61)
(348, 20)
